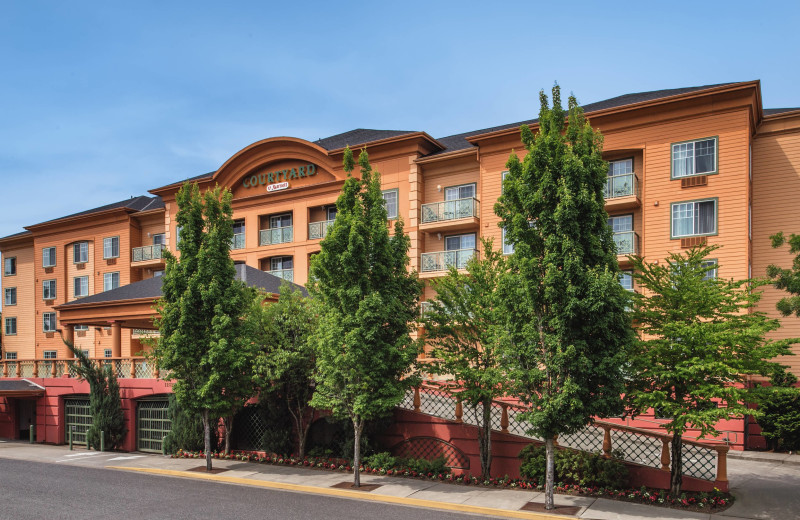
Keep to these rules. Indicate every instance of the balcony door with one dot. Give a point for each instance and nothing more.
(465, 191)
(280, 221)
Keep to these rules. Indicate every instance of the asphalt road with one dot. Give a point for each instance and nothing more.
(36, 490)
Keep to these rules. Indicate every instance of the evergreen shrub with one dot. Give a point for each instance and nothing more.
(574, 467)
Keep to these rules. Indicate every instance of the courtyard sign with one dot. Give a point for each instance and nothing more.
(279, 179)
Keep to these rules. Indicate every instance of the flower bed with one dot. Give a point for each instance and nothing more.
(712, 502)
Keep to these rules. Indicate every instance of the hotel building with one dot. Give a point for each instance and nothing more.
(686, 166)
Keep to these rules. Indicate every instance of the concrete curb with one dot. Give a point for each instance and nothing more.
(345, 493)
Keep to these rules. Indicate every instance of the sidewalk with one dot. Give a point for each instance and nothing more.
(485, 502)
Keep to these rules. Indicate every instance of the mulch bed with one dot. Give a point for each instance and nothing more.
(538, 507)
(202, 469)
(363, 487)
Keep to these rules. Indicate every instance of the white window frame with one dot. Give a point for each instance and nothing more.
(160, 239)
(108, 281)
(10, 320)
(687, 151)
(48, 257)
(10, 266)
(282, 260)
(80, 252)
(80, 327)
(9, 296)
(712, 274)
(283, 220)
(50, 354)
(391, 215)
(74, 286)
(49, 322)
(460, 240)
(626, 275)
(110, 248)
(458, 188)
(682, 209)
(49, 289)
(11, 356)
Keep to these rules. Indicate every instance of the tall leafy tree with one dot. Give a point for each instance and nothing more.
(105, 404)
(465, 324)
(202, 344)
(569, 331)
(787, 279)
(285, 364)
(369, 302)
(701, 339)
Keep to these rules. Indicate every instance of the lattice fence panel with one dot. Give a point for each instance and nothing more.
(437, 403)
(699, 462)
(408, 400)
(587, 439)
(430, 448)
(249, 428)
(144, 370)
(640, 449)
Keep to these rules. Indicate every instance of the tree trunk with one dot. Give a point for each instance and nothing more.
(358, 425)
(676, 469)
(550, 474)
(485, 440)
(228, 423)
(302, 433)
(207, 432)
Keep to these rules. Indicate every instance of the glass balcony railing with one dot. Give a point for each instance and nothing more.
(449, 210)
(319, 230)
(627, 242)
(144, 253)
(286, 274)
(281, 235)
(238, 241)
(442, 260)
(622, 186)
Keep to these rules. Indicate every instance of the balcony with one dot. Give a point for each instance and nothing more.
(280, 235)
(627, 243)
(622, 192)
(442, 261)
(286, 274)
(124, 368)
(319, 230)
(148, 255)
(450, 214)
(238, 241)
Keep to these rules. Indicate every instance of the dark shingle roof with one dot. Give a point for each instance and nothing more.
(459, 141)
(776, 111)
(151, 288)
(17, 235)
(357, 137)
(20, 386)
(140, 203)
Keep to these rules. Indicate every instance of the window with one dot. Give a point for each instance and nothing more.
(11, 326)
(111, 247)
(158, 273)
(11, 355)
(456, 242)
(332, 212)
(49, 354)
(81, 286)
(81, 327)
(465, 191)
(10, 266)
(107, 352)
(49, 321)
(390, 197)
(621, 224)
(49, 257)
(80, 252)
(507, 248)
(159, 239)
(694, 158)
(626, 280)
(711, 274)
(110, 281)
(238, 235)
(178, 237)
(49, 290)
(280, 263)
(10, 296)
(280, 221)
(694, 218)
(620, 167)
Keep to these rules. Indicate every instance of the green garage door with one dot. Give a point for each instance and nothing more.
(78, 419)
(152, 424)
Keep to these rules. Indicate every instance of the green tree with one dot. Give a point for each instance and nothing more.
(201, 342)
(369, 302)
(186, 430)
(780, 409)
(568, 329)
(465, 324)
(285, 364)
(105, 404)
(787, 279)
(701, 339)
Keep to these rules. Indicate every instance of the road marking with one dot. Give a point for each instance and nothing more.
(346, 493)
(127, 458)
(83, 454)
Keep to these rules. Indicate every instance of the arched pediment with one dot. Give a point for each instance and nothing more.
(274, 162)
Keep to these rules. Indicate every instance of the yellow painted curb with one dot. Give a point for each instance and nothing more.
(345, 493)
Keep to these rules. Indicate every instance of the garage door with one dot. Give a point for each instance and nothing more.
(78, 419)
(152, 424)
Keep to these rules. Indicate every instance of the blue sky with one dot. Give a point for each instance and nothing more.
(101, 101)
